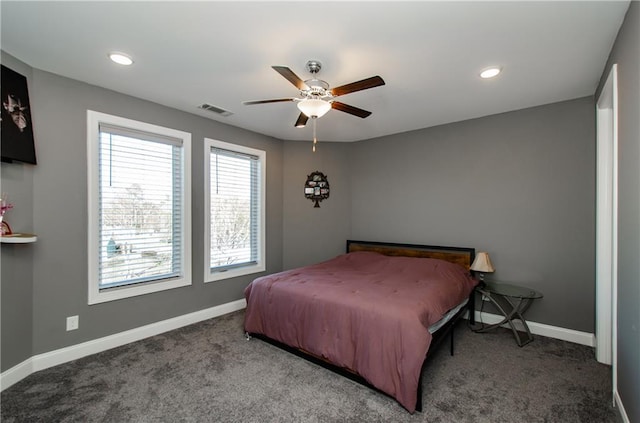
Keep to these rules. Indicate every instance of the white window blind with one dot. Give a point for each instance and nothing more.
(234, 189)
(140, 207)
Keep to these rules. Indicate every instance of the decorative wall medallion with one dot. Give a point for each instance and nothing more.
(317, 187)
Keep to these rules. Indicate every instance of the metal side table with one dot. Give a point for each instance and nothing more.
(512, 301)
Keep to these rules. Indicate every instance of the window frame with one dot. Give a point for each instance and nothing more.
(242, 270)
(95, 294)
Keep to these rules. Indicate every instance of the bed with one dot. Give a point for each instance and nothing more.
(367, 314)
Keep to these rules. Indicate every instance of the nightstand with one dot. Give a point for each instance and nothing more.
(512, 301)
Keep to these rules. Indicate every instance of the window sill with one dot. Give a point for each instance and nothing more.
(233, 273)
(113, 294)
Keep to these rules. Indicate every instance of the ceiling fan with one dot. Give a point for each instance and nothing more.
(316, 98)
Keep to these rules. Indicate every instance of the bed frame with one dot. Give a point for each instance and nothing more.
(460, 255)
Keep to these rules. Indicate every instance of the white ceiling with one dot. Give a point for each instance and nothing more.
(221, 53)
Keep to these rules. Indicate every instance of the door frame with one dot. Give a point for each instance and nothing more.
(607, 223)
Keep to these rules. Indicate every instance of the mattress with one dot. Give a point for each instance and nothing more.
(448, 316)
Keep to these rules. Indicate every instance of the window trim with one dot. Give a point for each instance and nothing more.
(95, 295)
(260, 265)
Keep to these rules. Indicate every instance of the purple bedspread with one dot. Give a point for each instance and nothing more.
(364, 311)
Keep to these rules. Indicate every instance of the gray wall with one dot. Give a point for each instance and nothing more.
(315, 234)
(58, 184)
(519, 185)
(16, 261)
(625, 54)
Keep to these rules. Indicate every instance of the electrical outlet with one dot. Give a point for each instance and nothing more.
(73, 322)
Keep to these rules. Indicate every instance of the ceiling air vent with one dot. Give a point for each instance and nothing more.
(215, 109)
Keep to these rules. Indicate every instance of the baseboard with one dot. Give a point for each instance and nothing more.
(74, 352)
(618, 403)
(577, 337)
(16, 373)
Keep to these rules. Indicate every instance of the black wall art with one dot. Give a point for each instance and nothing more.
(316, 188)
(17, 126)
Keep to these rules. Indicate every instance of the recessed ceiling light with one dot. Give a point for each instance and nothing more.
(490, 72)
(120, 58)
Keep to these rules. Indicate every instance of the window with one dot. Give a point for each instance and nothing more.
(139, 208)
(234, 210)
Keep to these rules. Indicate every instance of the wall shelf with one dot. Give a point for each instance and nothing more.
(18, 238)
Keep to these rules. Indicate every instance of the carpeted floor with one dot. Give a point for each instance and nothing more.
(208, 372)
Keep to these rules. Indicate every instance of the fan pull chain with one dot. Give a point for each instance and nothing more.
(315, 139)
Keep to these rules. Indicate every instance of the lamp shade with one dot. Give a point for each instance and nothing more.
(482, 263)
(313, 107)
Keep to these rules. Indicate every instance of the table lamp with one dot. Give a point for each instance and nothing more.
(482, 264)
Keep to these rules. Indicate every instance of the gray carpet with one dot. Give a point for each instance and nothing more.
(208, 372)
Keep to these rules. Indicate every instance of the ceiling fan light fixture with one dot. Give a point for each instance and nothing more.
(314, 107)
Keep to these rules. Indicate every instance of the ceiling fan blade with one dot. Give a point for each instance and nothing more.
(274, 100)
(374, 81)
(302, 121)
(291, 77)
(350, 109)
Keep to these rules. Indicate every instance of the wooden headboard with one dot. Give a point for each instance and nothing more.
(459, 255)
